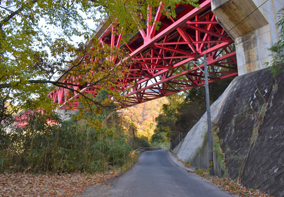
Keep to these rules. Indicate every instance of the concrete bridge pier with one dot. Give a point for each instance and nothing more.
(65, 114)
(252, 24)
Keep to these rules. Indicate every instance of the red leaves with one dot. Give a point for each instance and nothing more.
(20, 184)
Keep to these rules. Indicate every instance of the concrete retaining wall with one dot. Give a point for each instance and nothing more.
(201, 159)
(195, 137)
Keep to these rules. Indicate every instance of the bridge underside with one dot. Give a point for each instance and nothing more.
(161, 58)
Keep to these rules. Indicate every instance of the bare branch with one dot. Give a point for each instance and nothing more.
(95, 102)
(5, 20)
(6, 9)
(5, 86)
(72, 67)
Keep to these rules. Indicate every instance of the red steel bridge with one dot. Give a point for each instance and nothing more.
(161, 57)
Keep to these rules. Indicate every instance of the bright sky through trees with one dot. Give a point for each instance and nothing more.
(38, 38)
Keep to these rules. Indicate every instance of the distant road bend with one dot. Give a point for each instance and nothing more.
(156, 175)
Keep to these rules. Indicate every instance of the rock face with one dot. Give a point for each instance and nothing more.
(248, 119)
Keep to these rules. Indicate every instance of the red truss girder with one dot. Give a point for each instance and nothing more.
(161, 56)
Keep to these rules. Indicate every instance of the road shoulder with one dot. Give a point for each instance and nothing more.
(175, 160)
(179, 163)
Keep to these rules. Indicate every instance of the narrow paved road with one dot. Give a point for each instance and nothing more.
(155, 175)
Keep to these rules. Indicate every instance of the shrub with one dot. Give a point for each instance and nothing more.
(64, 147)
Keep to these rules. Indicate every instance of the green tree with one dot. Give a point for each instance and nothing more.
(166, 126)
(278, 48)
(65, 146)
(182, 113)
(32, 58)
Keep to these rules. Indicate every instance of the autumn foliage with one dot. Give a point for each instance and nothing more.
(20, 184)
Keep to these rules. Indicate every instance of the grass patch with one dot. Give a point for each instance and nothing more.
(202, 172)
(187, 164)
(217, 149)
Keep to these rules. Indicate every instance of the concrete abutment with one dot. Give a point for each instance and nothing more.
(252, 24)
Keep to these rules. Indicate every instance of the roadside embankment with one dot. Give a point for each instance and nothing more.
(249, 133)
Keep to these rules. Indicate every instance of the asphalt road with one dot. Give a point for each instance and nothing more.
(155, 174)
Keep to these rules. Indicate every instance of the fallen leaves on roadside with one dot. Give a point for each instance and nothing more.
(226, 183)
(231, 186)
(20, 184)
(235, 187)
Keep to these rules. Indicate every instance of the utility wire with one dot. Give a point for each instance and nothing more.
(246, 17)
(227, 32)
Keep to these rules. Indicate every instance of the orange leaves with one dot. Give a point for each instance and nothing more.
(19, 184)
(233, 186)
(142, 117)
(236, 188)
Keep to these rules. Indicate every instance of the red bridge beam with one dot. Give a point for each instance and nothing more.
(161, 56)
